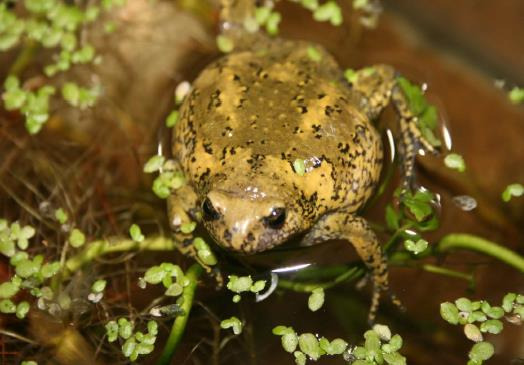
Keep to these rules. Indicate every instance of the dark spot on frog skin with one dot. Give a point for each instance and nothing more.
(226, 131)
(343, 148)
(215, 100)
(227, 236)
(207, 147)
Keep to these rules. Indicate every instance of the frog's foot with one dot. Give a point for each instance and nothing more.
(344, 225)
(185, 247)
(378, 86)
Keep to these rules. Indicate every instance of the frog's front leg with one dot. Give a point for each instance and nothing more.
(182, 208)
(345, 225)
(378, 86)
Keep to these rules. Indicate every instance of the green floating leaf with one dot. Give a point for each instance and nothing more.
(204, 252)
(98, 286)
(449, 312)
(282, 330)
(351, 75)
(262, 14)
(187, 228)
(310, 4)
(239, 284)
(395, 358)
(300, 358)
(383, 331)
(289, 341)
(508, 301)
(516, 95)
(316, 299)
(394, 344)
(7, 306)
(314, 54)
(272, 23)
(61, 216)
(174, 290)
(77, 238)
(8, 289)
(125, 328)
(299, 166)
(154, 275)
(512, 190)
(335, 347)
(257, 286)
(136, 233)
(310, 346)
(22, 309)
(27, 268)
(129, 347)
(455, 161)
(481, 351)
(416, 247)
(464, 305)
(493, 326)
(494, 312)
(50, 269)
(225, 44)
(233, 323)
(172, 118)
(419, 204)
(111, 331)
(473, 333)
(329, 11)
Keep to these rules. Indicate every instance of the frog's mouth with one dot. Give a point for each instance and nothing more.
(245, 243)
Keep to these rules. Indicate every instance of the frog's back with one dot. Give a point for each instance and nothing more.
(266, 108)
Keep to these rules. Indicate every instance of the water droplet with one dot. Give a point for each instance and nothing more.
(465, 202)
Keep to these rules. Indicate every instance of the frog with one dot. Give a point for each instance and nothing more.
(276, 143)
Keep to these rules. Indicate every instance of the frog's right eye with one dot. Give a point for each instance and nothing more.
(276, 219)
(210, 213)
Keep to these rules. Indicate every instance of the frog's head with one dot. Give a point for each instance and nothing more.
(247, 219)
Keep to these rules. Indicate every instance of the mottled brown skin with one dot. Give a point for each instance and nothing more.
(255, 111)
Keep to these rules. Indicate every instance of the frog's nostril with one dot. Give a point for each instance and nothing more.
(210, 213)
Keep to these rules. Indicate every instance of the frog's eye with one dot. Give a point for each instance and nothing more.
(210, 213)
(276, 219)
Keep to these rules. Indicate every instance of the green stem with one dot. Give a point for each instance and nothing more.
(179, 325)
(474, 243)
(23, 59)
(448, 272)
(95, 249)
(350, 274)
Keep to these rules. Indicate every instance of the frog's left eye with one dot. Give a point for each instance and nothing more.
(210, 213)
(276, 219)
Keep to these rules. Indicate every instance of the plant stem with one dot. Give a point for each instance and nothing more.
(478, 244)
(95, 249)
(350, 274)
(179, 324)
(448, 272)
(24, 57)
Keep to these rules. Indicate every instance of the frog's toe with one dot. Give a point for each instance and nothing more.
(395, 300)
(375, 301)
